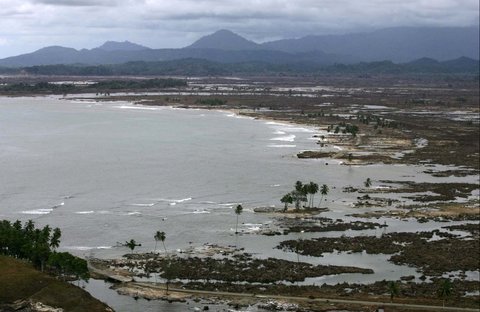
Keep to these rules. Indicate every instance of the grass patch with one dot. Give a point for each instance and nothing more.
(20, 281)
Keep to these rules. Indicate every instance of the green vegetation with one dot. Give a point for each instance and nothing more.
(238, 212)
(303, 193)
(19, 280)
(445, 290)
(138, 84)
(324, 192)
(201, 67)
(39, 87)
(101, 86)
(287, 199)
(211, 102)
(132, 244)
(393, 290)
(24, 248)
(160, 236)
(368, 182)
(38, 246)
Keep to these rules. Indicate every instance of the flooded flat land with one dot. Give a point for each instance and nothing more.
(399, 155)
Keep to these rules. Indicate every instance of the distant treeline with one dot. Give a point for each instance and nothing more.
(200, 67)
(102, 86)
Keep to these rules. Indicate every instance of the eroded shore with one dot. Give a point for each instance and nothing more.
(408, 123)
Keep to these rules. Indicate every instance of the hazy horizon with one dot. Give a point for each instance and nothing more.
(27, 26)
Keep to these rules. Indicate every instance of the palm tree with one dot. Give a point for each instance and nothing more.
(287, 199)
(312, 189)
(393, 290)
(324, 192)
(367, 182)
(445, 290)
(132, 244)
(238, 211)
(55, 239)
(160, 236)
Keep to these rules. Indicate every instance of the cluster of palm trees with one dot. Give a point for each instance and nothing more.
(304, 193)
(38, 245)
(28, 242)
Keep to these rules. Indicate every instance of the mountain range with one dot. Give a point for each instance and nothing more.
(401, 44)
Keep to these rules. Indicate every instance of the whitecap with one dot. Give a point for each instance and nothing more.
(85, 212)
(275, 185)
(84, 248)
(278, 132)
(175, 200)
(288, 138)
(59, 205)
(41, 211)
(281, 145)
(275, 123)
(229, 204)
(198, 211)
(137, 107)
(143, 205)
(133, 213)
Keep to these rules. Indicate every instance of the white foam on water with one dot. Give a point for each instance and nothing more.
(59, 205)
(137, 107)
(133, 213)
(199, 211)
(287, 138)
(229, 204)
(278, 132)
(281, 145)
(144, 205)
(175, 201)
(84, 248)
(233, 115)
(41, 211)
(85, 212)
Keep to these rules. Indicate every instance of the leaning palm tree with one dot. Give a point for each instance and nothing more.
(159, 236)
(445, 290)
(393, 290)
(324, 192)
(238, 211)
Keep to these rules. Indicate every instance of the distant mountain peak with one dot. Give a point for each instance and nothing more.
(224, 39)
(121, 46)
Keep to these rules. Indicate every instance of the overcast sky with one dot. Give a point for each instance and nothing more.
(27, 25)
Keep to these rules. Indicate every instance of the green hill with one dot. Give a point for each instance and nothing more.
(20, 281)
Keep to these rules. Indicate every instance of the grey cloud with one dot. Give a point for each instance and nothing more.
(176, 23)
(80, 3)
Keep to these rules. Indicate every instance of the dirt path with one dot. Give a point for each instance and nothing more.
(292, 298)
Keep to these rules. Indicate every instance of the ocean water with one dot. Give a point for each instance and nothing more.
(109, 172)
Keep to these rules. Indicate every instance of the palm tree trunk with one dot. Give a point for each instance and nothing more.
(236, 226)
(320, 203)
(155, 249)
(165, 248)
